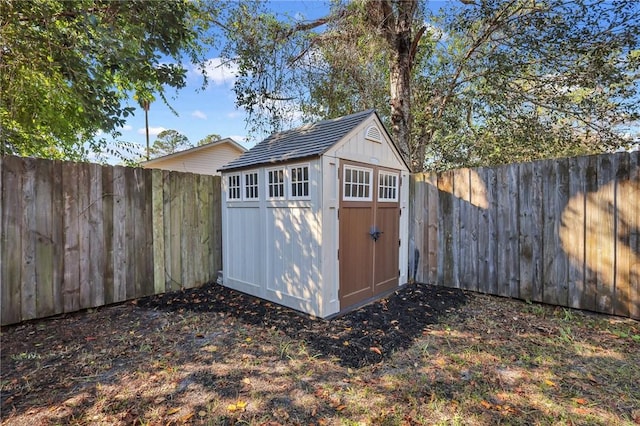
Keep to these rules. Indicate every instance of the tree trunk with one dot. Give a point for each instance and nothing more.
(395, 18)
(401, 103)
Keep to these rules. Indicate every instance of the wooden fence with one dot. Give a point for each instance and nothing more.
(564, 232)
(79, 235)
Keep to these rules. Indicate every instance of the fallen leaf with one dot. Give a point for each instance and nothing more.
(580, 401)
(346, 343)
(581, 411)
(550, 383)
(238, 406)
(340, 407)
(246, 381)
(173, 411)
(486, 404)
(376, 350)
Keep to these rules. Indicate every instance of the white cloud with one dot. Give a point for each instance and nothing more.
(153, 131)
(127, 128)
(199, 114)
(218, 71)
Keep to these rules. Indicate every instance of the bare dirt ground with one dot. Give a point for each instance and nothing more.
(423, 355)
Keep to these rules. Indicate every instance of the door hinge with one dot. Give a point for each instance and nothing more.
(338, 254)
(338, 212)
(399, 243)
(398, 272)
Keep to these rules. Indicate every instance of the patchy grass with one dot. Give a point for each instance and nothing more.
(490, 361)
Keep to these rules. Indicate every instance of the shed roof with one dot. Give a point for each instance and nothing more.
(305, 141)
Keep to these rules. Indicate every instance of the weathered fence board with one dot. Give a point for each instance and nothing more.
(79, 235)
(12, 241)
(633, 218)
(157, 214)
(573, 228)
(562, 232)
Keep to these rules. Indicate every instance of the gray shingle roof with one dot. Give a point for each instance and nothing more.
(306, 141)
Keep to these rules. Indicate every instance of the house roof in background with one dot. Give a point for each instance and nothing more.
(210, 145)
(305, 141)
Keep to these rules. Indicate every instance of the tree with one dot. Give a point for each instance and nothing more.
(68, 68)
(475, 83)
(209, 138)
(169, 141)
(525, 80)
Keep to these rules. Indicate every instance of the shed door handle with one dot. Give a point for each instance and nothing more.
(375, 233)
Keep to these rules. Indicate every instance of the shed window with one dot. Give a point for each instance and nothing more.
(275, 183)
(387, 187)
(233, 187)
(299, 181)
(251, 186)
(357, 183)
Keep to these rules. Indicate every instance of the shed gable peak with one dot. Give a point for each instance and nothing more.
(312, 139)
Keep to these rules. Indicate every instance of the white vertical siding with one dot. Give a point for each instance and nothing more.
(243, 247)
(293, 262)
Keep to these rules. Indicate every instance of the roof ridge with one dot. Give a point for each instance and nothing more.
(365, 112)
(311, 139)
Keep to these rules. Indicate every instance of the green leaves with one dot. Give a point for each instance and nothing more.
(168, 142)
(67, 67)
(491, 82)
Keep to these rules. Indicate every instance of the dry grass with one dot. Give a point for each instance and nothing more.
(496, 361)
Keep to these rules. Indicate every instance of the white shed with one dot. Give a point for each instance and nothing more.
(316, 218)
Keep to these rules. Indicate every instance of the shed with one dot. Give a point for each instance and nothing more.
(204, 159)
(316, 218)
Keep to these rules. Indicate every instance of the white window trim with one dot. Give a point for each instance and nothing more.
(244, 185)
(382, 173)
(289, 182)
(239, 187)
(284, 183)
(344, 183)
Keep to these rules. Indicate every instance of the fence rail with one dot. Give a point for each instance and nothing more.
(564, 232)
(79, 235)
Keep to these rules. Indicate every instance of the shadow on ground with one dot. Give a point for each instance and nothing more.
(359, 338)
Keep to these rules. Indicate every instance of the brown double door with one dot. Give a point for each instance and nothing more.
(369, 223)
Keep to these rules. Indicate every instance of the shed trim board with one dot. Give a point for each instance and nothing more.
(284, 245)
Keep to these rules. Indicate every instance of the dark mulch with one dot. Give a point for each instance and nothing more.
(362, 337)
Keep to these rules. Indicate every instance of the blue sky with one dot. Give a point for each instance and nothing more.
(212, 110)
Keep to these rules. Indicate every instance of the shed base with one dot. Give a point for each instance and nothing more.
(364, 302)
